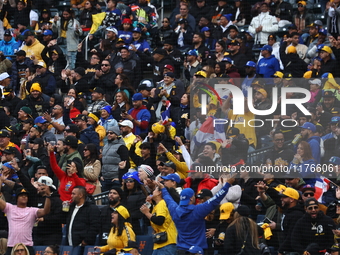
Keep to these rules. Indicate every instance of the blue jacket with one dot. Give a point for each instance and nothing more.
(141, 45)
(268, 66)
(307, 170)
(125, 35)
(88, 135)
(189, 219)
(8, 47)
(142, 115)
(314, 143)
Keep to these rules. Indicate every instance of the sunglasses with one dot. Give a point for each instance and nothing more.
(312, 208)
(105, 65)
(308, 194)
(110, 133)
(129, 180)
(85, 149)
(20, 250)
(300, 5)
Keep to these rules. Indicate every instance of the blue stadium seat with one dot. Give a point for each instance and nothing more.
(70, 250)
(260, 218)
(64, 237)
(86, 249)
(39, 250)
(145, 244)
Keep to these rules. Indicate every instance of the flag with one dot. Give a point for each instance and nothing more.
(207, 133)
(97, 20)
(321, 186)
(165, 115)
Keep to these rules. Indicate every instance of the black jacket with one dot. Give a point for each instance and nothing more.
(303, 234)
(279, 157)
(86, 224)
(292, 62)
(105, 224)
(290, 217)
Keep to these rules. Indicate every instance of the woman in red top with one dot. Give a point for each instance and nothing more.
(69, 179)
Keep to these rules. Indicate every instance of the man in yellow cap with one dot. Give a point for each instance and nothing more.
(292, 212)
(45, 78)
(328, 64)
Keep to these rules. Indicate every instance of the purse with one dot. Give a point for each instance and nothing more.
(160, 237)
(90, 188)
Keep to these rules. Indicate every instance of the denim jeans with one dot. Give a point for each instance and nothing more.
(170, 249)
(71, 59)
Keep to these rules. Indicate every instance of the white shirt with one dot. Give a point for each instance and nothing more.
(58, 135)
(75, 211)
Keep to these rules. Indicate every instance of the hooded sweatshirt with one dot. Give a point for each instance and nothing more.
(268, 66)
(189, 219)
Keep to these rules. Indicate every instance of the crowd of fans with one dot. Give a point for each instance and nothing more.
(100, 97)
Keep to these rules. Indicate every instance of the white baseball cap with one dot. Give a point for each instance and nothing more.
(4, 76)
(112, 29)
(126, 123)
(47, 181)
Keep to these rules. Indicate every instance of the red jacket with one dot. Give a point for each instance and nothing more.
(206, 183)
(67, 183)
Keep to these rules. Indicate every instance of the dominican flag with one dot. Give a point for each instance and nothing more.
(321, 186)
(208, 133)
(166, 114)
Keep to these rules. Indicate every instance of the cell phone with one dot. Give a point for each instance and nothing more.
(266, 220)
(70, 101)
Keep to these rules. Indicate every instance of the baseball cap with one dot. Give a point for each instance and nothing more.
(71, 128)
(225, 210)
(122, 211)
(7, 32)
(80, 70)
(334, 160)
(169, 67)
(80, 117)
(21, 191)
(227, 59)
(48, 32)
(146, 85)
(47, 181)
(280, 188)
(308, 187)
(7, 90)
(205, 29)
(201, 73)
(309, 126)
(41, 64)
(4, 133)
(112, 29)
(327, 49)
(169, 74)
(290, 192)
(204, 193)
(303, 3)
(126, 20)
(160, 52)
(263, 92)
(172, 177)
(287, 76)
(126, 123)
(292, 26)
(131, 245)
(234, 42)
(170, 164)
(131, 175)
(232, 132)
(195, 249)
(335, 110)
(278, 74)
(192, 53)
(185, 196)
(257, 83)
(99, 90)
(40, 119)
(267, 47)
(20, 53)
(4, 76)
(313, 25)
(243, 210)
(315, 81)
(136, 30)
(251, 64)
(10, 150)
(327, 93)
(311, 201)
(323, 31)
(335, 120)
(137, 97)
(71, 141)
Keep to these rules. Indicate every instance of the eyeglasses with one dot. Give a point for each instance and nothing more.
(129, 180)
(105, 65)
(110, 133)
(85, 149)
(300, 5)
(307, 194)
(56, 108)
(312, 208)
(20, 250)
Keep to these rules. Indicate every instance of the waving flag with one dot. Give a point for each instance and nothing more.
(207, 133)
(97, 20)
(166, 114)
(321, 186)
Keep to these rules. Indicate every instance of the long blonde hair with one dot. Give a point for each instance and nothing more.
(16, 246)
(245, 226)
